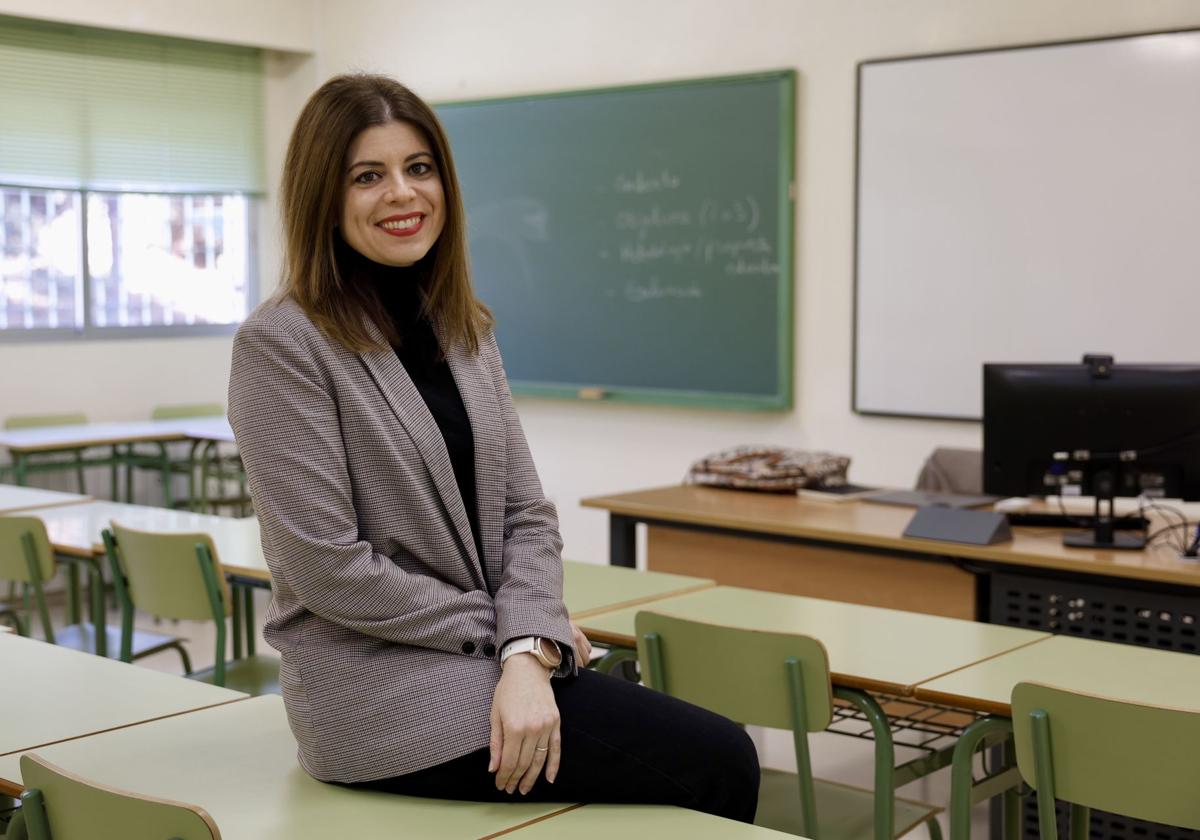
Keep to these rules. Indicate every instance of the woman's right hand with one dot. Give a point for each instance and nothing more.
(525, 726)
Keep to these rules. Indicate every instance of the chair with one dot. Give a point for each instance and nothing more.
(58, 805)
(48, 460)
(1095, 752)
(781, 681)
(213, 465)
(159, 459)
(949, 470)
(178, 576)
(27, 558)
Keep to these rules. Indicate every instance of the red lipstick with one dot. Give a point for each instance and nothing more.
(403, 231)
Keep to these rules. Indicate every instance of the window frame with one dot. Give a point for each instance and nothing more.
(87, 331)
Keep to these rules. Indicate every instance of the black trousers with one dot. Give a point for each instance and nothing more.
(621, 742)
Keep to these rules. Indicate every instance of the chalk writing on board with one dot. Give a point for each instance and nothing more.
(641, 183)
(714, 249)
(637, 253)
(653, 289)
(739, 212)
(656, 217)
(662, 233)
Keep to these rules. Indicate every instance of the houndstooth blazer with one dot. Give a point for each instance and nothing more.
(388, 621)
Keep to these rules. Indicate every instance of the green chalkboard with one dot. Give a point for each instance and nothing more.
(636, 243)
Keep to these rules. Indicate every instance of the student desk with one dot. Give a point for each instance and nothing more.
(1125, 672)
(216, 429)
(18, 499)
(606, 822)
(238, 762)
(53, 694)
(1141, 675)
(75, 530)
(882, 650)
(855, 551)
(21, 443)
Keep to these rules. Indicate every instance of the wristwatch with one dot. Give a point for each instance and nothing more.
(544, 650)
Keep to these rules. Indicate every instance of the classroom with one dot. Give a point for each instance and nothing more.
(833, 355)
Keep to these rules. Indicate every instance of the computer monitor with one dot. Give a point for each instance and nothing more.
(1092, 429)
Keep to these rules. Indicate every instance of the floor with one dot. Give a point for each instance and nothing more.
(836, 757)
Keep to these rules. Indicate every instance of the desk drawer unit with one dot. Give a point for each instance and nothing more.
(1156, 617)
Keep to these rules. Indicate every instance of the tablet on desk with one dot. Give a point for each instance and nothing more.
(835, 493)
(928, 498)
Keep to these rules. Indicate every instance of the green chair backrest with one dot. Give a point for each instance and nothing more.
(32, 421)
(60, 806)
(741, 674)
(164, 575)
(175, 412)
(18, 536)
(1126, 758)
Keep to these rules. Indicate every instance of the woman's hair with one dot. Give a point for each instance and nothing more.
(311, 200)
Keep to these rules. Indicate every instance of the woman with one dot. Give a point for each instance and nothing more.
(415, 560)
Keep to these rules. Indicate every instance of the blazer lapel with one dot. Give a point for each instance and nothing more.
(410, 409)
(478, 393)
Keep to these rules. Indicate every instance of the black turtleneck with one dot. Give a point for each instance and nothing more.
(419, 352)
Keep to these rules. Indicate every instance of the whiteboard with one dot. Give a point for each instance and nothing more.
(1024, 205)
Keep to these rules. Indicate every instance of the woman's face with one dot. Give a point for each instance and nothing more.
(392, 204)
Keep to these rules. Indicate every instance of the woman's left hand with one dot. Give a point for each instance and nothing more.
(583, 648)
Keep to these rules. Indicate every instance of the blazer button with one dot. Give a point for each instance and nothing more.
(468, 648)
(489, 650)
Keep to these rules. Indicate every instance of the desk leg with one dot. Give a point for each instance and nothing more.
(622, 541)
(72, 594)
(18, 467)
(99, 619)
(236, 596)
(129, 473)
(248, 616)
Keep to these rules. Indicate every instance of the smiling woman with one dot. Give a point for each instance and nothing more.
(415, 560)
(364, 151)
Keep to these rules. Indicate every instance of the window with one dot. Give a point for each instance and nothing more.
(130, 173)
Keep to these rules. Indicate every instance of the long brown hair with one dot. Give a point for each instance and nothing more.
(311, 198)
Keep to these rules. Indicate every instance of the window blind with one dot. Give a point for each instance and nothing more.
(87, 108)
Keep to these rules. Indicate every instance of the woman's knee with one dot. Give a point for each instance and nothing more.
(741, 775)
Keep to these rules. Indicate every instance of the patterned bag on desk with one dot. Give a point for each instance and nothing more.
(769, 468)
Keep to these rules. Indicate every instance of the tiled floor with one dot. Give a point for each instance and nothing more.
(835, 757)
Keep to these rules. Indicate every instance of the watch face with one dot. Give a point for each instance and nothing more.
(550, 652)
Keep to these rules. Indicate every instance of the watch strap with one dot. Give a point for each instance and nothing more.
(531, 645)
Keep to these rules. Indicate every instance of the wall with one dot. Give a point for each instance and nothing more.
(124, 379)
(477, 48)
(272, 24)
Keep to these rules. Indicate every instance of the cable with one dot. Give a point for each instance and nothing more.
(1146, 503)
(1193, 550)
(1167, 529)
(1183, 522)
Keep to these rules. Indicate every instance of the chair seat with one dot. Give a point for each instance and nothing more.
(254, 675)
(82, 637)
(844, 812)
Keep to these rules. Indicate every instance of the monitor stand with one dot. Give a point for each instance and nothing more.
(1104, 534)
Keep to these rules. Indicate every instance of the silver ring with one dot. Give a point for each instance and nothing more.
(540, 749)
